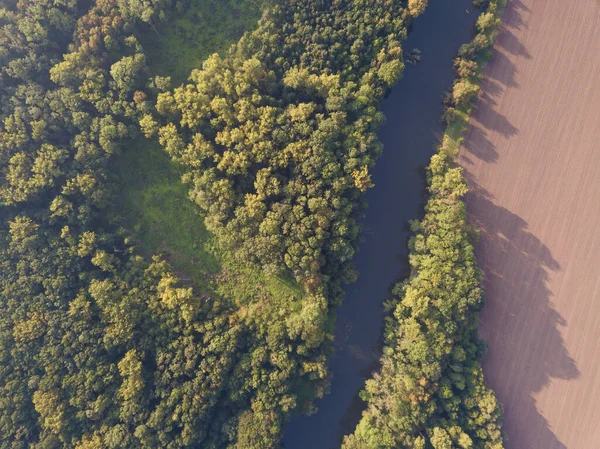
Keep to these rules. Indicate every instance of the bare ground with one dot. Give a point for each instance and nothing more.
(532, 158)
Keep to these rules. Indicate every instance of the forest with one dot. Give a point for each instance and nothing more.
(111, 336)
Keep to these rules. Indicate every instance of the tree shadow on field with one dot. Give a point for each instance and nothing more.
(501, 74)
(486, 120)
(478, 145)
(508, 42)
(514, 15)
(519, 322)
(501, 79)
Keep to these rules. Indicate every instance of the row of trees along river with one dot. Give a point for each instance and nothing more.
(410, 136)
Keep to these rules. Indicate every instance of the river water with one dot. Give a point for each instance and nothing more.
(410, 136)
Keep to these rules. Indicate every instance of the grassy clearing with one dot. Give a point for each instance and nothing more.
(153, 204)
(206, 27)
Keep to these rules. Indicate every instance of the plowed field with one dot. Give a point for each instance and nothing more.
(532, 159)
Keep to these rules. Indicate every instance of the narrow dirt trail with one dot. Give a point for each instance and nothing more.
(532, 159)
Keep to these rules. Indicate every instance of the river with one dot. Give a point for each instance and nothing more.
(410, 136)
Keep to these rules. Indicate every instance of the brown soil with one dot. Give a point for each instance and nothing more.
(532, 158)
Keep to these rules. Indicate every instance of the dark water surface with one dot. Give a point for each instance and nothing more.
(410, 136)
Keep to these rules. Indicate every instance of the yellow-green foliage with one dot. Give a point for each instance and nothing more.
(430, 387)
(154, 205)
(101, 348)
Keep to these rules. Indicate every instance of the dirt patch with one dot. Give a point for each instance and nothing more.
(532, 159)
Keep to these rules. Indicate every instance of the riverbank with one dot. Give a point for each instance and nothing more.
(430, 389)
(531, 160)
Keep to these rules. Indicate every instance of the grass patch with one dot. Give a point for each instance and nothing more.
(205, 27)
(455, 131)
(154, 205)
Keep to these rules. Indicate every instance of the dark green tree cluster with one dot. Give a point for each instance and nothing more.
(430, 391)
(279, 135)
(122, 356)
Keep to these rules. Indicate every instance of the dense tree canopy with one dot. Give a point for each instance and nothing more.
(102, 348)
